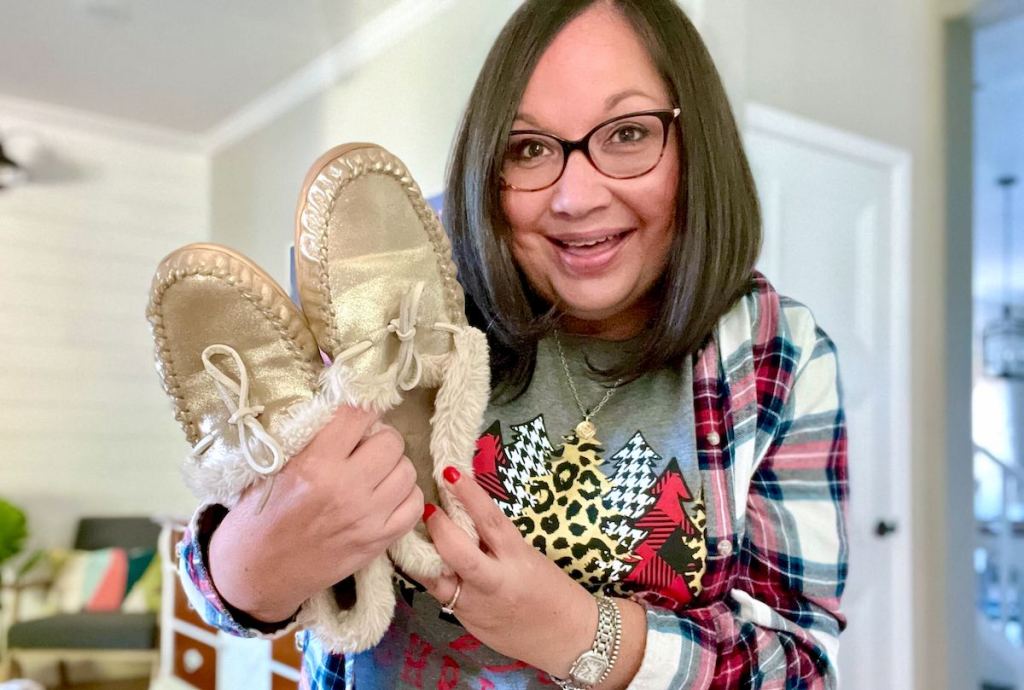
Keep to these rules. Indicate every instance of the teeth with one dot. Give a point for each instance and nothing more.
(591, 243)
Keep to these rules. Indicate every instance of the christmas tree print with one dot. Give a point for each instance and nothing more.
(569, 519)
(633, 476)
(639, 529)
(557, 499)
(526, 457)
(674, 553)
(490, 454)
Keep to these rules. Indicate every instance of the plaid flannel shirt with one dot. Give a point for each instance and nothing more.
(771, 445)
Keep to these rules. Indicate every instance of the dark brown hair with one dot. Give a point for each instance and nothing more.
(717, 219)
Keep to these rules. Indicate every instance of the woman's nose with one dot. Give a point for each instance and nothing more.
(581, 189)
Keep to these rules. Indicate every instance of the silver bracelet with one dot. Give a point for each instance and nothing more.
(593, 666)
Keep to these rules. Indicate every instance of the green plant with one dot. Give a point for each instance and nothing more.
(13, 530)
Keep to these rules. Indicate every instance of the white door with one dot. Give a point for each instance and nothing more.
(836, 222)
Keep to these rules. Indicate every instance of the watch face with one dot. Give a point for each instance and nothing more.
(589, 668)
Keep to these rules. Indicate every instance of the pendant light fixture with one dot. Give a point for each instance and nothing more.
(1003, 338)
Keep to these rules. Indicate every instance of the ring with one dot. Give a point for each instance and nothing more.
(449, 608)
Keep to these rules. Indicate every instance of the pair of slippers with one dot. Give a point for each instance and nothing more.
(243, 365)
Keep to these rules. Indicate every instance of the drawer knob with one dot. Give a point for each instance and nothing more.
(192, 660)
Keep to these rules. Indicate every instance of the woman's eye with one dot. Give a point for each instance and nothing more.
(629, 134)
(528, 150)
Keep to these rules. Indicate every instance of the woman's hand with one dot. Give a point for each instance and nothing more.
(334, 507)
(514, 599)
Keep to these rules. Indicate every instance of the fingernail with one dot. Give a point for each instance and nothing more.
(451, 475)
(428, 510)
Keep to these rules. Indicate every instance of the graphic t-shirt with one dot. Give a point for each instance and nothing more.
(621, 511)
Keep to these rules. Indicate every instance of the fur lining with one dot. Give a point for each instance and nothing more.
(220, 475)
(362, 626)
(416, 555)
(458, 410)
(458, 413)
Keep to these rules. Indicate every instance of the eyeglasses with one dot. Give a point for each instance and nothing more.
(623, 147)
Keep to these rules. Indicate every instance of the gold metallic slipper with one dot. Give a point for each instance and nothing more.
(233, 354)
(242, 368)
(378, 285)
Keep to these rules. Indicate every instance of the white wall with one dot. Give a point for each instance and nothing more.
(409, 99)
(84, 425)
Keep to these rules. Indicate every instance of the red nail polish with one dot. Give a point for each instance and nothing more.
(428, 510)
(451, 475)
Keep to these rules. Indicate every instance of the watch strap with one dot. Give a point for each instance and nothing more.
(605, 648)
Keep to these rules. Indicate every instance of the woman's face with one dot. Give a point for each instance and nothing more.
(595, 69)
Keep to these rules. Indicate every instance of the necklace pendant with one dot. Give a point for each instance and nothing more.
(586, 431)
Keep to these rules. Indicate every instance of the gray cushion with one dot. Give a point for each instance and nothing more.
(106, 630)
(127, 532)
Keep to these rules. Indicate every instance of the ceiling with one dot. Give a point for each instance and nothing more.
(999, 151)
(183, 65)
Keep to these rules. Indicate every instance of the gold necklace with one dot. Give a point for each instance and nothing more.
(585, 430)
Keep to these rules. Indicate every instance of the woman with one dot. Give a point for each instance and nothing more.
(666, 430)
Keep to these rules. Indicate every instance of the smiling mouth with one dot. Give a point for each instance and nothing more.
(584, 245)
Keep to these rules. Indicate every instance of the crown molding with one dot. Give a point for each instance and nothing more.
(366, 43)
(47, 114)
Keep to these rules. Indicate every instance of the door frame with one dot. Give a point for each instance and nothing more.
(897, 163)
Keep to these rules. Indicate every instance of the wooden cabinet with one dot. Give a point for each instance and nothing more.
(194, 655)
(195, 662)
(279, 682)
(286, 652)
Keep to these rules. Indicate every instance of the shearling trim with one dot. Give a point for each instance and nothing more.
(361, 627)
(220, 475)
(417, 556)
(344, 386)
(458, 412)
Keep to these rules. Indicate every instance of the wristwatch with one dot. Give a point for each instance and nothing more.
(593, 666)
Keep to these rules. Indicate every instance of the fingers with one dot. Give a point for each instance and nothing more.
(494, 528)
(441, 588)
(406, 514)
(445, 589)
(460, 552)
(396, 486)
(344, 431)
(377, 456)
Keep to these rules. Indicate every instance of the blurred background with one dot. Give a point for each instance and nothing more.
(887, 139)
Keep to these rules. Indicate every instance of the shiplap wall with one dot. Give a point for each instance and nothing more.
(84, 425)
